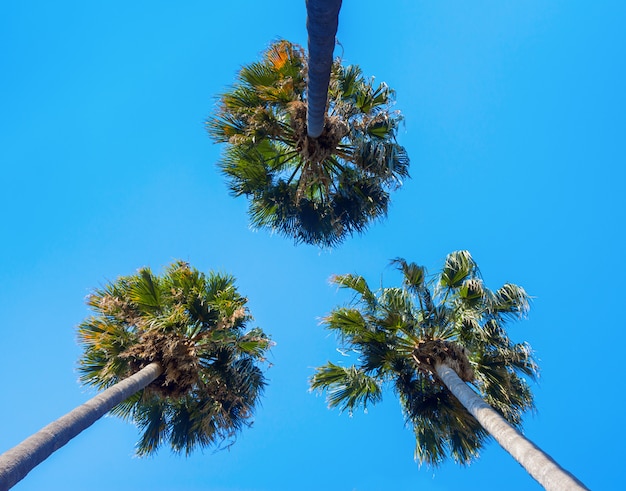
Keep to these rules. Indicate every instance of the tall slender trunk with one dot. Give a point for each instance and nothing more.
(21, 459)
(321, 23)
(536, 462)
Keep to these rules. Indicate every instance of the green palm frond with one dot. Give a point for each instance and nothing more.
(511, 300)
(320, 190)
(442, 427)
(388, 329)
(458, 266)
(196, 327)
(254, 343)
(145, 291)
(259, 75)
(151, 418)
(368, 98)
(242, 100)
(396, 302)
(126, 408)
(184, 435)
(348, 81)
(347, 387)
(229, 127)
(348, 322)
(356, 283)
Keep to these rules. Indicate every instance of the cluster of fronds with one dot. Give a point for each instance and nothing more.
(194, 326)
(397, 334)
(315, 190)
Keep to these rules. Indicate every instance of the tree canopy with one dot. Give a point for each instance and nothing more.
(195, 326)
(314, 190)
(397, 334)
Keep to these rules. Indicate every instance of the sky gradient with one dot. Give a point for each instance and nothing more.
(515, 125)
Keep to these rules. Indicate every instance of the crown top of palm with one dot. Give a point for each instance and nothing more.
(397, 332)
(319, 190)
(194, 326)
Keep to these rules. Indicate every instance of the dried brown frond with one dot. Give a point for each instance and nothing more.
(316, 149)
(429, 352)
(230, 321)
(175, 354)
(119, 308)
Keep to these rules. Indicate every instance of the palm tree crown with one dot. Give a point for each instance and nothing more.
(191, 324)
(315, 190)
(400, 334)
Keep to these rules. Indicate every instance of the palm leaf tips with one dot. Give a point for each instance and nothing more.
(315, 190)
(398, 335)
(349, 388)
(195, 327)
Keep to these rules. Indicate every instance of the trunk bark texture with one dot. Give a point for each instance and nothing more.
(536, 462)
(321, 23)
(21, 459)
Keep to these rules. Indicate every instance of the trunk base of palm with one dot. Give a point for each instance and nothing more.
(17, 462)
(536, 462)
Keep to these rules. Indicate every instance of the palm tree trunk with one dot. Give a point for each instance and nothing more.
(321, 23)
(21, 459)
(536, 462)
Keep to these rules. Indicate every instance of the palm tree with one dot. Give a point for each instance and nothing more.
(429, 339)
(321, 24)
(174, 356)
(315, 190)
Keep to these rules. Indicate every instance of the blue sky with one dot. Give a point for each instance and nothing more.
(515, 124)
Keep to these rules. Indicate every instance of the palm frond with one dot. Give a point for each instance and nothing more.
(347, 387)
(152, 419)
(259, 75)
(145, 291)
(414, 276)
(349, 80)
(254, 343)
(459, 265)
(356, 283)
(512, 300)
(346, 321)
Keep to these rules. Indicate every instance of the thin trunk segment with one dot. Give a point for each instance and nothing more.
(24, 457)
(321, 23)
(536, 462)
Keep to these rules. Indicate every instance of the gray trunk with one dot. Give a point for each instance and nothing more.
(322, 22)
(21, 459)
(537, 463)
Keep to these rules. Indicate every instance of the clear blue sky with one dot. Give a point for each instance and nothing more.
(515, 125)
